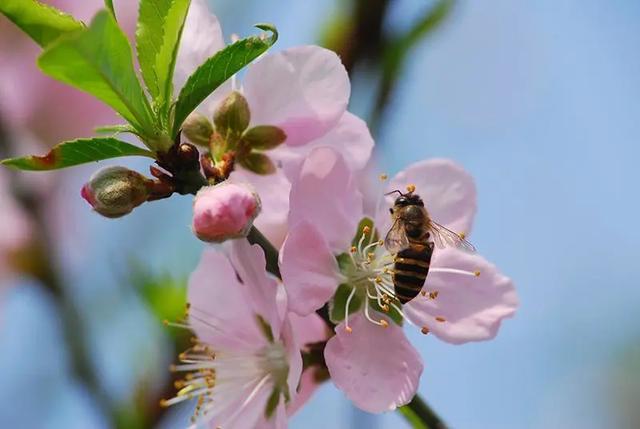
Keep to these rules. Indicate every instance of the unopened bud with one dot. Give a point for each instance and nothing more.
(116, 191)
(232, 115)
(224, 211)
(197, 129)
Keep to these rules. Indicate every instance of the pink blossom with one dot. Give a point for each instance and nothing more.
(302, 90)
(369, 358)
(246, 350)
(224, 211)
(34, 101)
(15, 228)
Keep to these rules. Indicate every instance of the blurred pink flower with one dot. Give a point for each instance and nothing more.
(15, 227)
(246, 355)
(369, 358)
(224, 211)
(302, 90)
(31, 100)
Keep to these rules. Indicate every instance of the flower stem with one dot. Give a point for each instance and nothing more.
(420, 415)
(270, 252)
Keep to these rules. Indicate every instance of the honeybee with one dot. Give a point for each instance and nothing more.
(412, 239)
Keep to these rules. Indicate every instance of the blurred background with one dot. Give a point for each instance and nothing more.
(540, 101)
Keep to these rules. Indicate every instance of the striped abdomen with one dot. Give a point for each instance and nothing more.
(411, 269)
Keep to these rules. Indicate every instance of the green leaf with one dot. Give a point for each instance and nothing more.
(77, 152)
(160, 24)
(264, 137)
(98, 61)
(259, 163)
(217, 69)
(43, 23)
(338, 304)
(115, 129)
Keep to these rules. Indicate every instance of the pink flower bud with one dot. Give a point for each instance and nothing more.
(116, 191)
(224, 211)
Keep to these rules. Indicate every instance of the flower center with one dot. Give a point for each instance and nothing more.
(273, 361)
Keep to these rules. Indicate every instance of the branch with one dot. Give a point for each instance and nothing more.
(420, 415)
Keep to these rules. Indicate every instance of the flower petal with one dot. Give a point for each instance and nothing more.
(471, 307)
(310, 272)
(249, 263)
(377, 368)
(219, 313)
(307, 329)
(273, 190)
(303, 90)
(326, 195)
(201, 38)
(448, 191)
(350, 137)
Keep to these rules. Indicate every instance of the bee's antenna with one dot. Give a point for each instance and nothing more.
(389, 193)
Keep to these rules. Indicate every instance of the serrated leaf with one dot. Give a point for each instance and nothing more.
(217, 69)
(115, 129)
(77, 152)
(43, 23)
(160, 24)
(338, 304)
(259, 163)
(98, 61)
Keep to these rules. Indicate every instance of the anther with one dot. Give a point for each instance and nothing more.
(173, 368)
(384, 323)
(462, 235)
(354, 249)
(423, 293)
(348, 329)
(366, 229)
(383, 177)
(425, 330)
(476, 273)
(164, 403)
(434, 294)
(411, 188)
(385, 308)
(440, 319)
(165, 322)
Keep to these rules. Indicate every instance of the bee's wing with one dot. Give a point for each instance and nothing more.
(443, 237)
(396, 239)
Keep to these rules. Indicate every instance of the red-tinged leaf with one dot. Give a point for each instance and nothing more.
(77, 152)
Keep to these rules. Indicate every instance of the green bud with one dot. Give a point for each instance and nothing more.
(258, 163)
(116, 191)
(232, 115)
(264, 137)
(197, 129)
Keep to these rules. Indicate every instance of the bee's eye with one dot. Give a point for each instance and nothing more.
(402, 201)
(391, 210)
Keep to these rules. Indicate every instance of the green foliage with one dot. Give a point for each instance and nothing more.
(412, 418)
(160, 25)
(165, 296)
(41, 22)
(77, 152)
(217, 69)
(98, 61)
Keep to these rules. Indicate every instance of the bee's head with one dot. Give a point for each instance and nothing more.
(408, 199)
